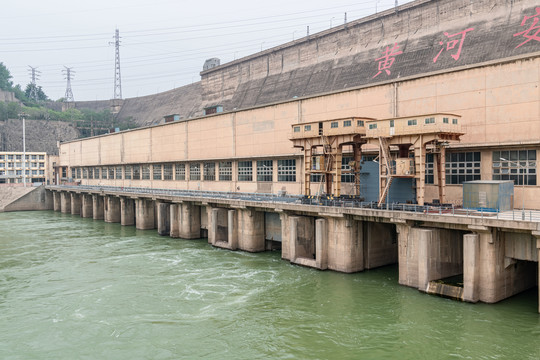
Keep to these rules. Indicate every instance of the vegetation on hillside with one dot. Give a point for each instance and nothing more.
(88, 122)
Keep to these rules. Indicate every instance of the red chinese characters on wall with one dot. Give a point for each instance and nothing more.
(528, 34)
(387, 60)
(451, 44)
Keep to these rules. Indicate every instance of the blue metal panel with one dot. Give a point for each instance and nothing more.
(401, 190)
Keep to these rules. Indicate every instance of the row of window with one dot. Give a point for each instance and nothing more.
(19, 157)
(193, 171)
(333, 125)
(12, 165)
(516, 165)
(20, 172)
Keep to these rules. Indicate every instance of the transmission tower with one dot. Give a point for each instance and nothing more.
(68, 74)
(34, 74)
(117, 77)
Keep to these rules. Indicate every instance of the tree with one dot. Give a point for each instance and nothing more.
(5, 78)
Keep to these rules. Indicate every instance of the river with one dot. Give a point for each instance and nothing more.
(73, 288)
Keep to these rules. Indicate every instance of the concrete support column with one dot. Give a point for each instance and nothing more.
(164, 216)
(175, 220)
(249, 229)
(87, 206)
(471, 267)
(321, 241)
(97, 207)
(75, 204)
(213, 227)
(144, 214)
(345, 245)
(293, 237)
(425, 237)
(127, 211)
(190, 221)
(57, 201)
(538, 280)
(232, 231)
(112, 209)
(65, 203)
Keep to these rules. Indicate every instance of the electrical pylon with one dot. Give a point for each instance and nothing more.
(117, 77)
(34, 74)
(68, 74)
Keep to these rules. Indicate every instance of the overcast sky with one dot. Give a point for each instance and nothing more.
(164, 43)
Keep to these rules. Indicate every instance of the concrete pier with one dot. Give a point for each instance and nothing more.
(190, 221)
(57, 206)
(98, 210)
(164, 218)
(112, 209)
(75, 204)
(127, 210)
(174, 211)
(65, 202)
(87, 208)
(248, 227)
(144, 214)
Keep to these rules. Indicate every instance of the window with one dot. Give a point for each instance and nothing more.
(34, 172)
(316, 178)
(41, 172)
(464, 166)
(18, 157)
(79, 173)
(454, 121)
(41, 157)
(518, 165)
(2, 157)
(145, 172)
(307, 128)
(347, 123)
(180, 172)
(430, 120)
(167, 172)
(245, 171)
(111, 173)
(411, 122)
(445, 120)
(128, 172)
(296, 129)
(264, 170)
(90, 173)
(10, 157)
(118, 172)
(360, 123)
(156, 171)
(372, 126)
(347, 177)
(430, 165)
(209, 171)
(334, 124)
(96, 173)
(287, 170)
(2, 165)
(136, 172)
(41, 165)
(225, 171)
(195, 171)
(104, 173)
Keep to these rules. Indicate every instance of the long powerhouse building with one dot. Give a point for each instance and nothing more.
(477, 62)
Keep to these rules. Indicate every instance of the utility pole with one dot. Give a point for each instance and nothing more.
(117, 77)
(68, 74)
(345, 21)
(34, 74)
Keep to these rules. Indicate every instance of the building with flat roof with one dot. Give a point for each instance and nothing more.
(13, 170)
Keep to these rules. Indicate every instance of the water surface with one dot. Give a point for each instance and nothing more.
(73, 288)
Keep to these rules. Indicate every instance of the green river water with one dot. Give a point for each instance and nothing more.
(73, 288)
